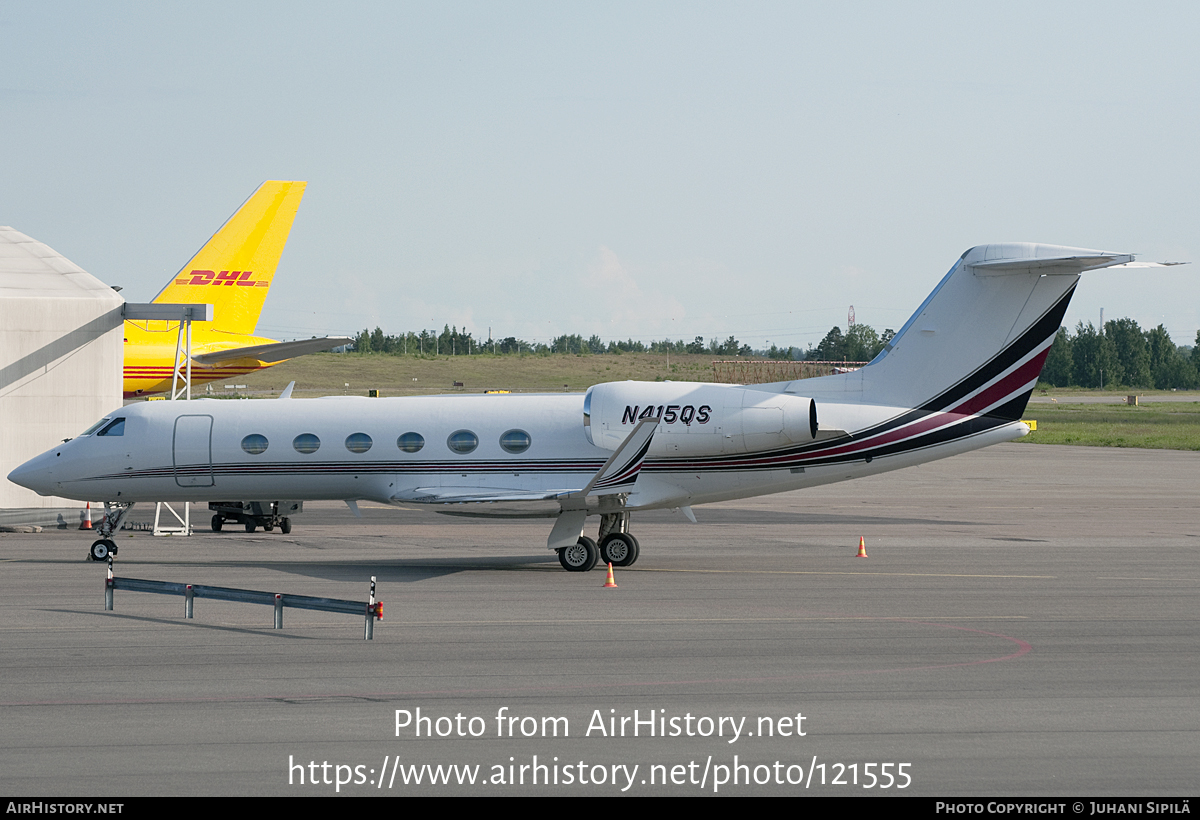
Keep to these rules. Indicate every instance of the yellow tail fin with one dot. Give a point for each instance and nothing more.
(233, 270)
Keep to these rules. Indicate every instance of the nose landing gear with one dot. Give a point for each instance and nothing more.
(100, 550)
(114, 516)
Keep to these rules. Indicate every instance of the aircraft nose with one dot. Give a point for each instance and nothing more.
(35, 474)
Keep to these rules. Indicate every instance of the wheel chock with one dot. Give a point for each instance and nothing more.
(862, 548)
(610, 583)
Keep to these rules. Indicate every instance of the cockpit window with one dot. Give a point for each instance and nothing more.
(96, 426)
(115, 428)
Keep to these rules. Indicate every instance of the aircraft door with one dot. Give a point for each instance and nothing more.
(193, 451)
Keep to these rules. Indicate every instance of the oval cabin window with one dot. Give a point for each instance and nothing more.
(306, 443)
(254, 444)
(463, 442)
(411, 442)
(515, 441)
(358, 442)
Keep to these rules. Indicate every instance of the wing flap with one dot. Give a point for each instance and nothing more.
(474, 495)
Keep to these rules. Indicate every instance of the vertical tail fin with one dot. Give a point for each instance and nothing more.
(233, 270)
(978, 342)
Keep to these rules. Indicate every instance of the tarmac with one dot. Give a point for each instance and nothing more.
(1025, 625)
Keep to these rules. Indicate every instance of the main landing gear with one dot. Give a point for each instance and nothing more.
(580, 556)
(619, 549)
(616, 547)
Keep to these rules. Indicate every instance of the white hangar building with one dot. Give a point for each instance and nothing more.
(61, 356)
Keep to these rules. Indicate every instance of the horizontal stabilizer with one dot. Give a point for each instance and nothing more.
(1125, 265)
(1072, 263)
(977, 344)
(273, 353)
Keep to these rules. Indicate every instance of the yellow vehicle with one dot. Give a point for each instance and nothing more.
(233, 273)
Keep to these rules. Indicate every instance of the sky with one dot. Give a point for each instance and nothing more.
(633, 170)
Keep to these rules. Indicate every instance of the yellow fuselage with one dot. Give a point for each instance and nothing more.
(150, 356)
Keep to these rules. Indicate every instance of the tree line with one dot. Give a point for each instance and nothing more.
(1122, 355)
(453, 342)
(860, 343)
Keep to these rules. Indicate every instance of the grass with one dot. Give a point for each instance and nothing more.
(324, 374)
(1156, 426)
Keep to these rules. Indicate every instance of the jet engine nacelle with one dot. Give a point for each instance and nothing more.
(698, 419)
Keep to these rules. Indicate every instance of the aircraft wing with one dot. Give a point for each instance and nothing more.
(619, 474)
(273, 352)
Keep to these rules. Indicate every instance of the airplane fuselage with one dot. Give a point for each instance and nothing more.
(392, 449)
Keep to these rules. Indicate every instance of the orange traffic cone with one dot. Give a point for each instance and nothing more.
(610, 583)
(862, 548)
(86, 524)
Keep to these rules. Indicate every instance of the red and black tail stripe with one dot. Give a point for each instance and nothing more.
(985, 399)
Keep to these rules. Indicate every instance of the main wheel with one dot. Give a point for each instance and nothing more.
(285, 526)
(100, 550)
(619, 548)
(268, 527)
(580, 556)
(217, 522)
(250, 526)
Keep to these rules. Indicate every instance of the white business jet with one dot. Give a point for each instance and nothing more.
(955, 378)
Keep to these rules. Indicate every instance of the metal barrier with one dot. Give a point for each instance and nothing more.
(372, 610)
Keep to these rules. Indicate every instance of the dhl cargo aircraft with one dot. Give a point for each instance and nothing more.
(955, 378)
(232, 272)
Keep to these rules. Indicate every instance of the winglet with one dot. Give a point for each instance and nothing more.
(620, 472)
(287, 391)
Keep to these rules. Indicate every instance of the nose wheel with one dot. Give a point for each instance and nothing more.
(100, 550)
